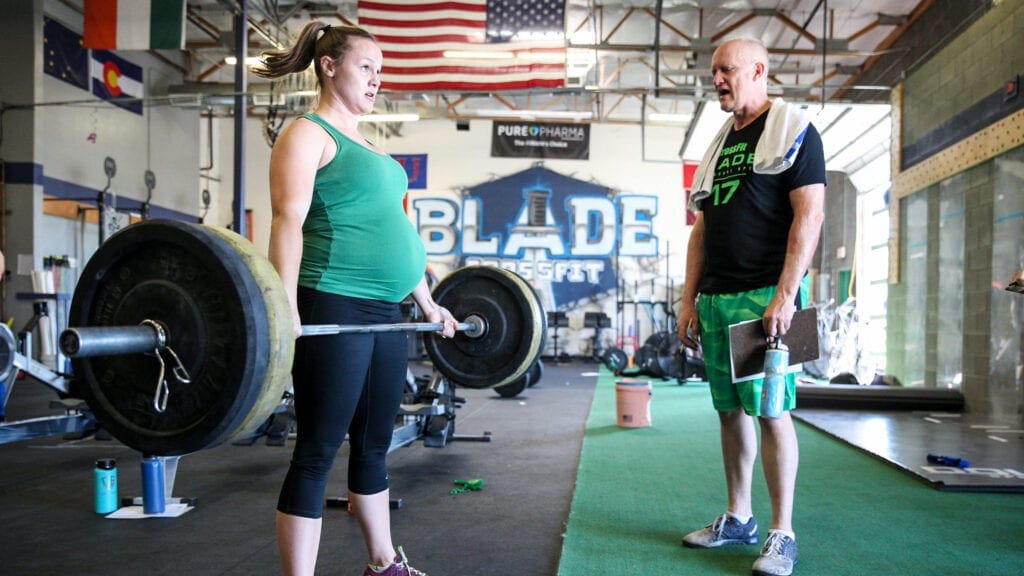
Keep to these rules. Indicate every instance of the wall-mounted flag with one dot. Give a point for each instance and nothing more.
(64, 57)
(470, 44)
(415, 167)
(134, 24)
(117, 80)
(689, 170)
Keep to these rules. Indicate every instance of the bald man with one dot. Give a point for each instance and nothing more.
(759, 203)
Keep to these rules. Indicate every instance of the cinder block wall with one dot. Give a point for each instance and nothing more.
(916, 312)
(978, 61)
(978, 289)
(838, 232)
(907, 305)
(974, 65)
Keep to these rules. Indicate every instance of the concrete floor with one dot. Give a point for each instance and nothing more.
(513, 526)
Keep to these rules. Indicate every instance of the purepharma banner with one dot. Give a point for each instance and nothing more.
(540, 140)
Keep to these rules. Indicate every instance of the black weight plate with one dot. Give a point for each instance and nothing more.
(665, 345)
(647, 360)
(670, 359)
(536, 372)
(513, 389)
(280, 328)
(532, 376)
(221, 321)
(515, 327)
(642, 358)
(615, 359)
(647, 356)
(8, 347)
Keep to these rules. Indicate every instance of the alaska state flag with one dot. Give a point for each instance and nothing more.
(64, 57)
(116, 80)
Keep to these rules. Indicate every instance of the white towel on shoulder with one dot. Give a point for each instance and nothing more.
(778, 146)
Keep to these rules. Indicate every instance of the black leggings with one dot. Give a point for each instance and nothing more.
(343, 383)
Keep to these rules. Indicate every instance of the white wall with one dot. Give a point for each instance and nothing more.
(460, 159)
(71, 132)
(80, 130)
(51, 129)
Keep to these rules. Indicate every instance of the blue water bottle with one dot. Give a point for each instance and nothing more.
(105, 486)
(153, 497)
(773, 390)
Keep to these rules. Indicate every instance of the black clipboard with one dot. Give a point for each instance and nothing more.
(747, 343)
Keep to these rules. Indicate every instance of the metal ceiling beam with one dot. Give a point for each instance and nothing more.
(619, 25)
(674, 74)
(887, 43)
(711, 48)
(698, 109)
(856, 138)
(728, 29)
(235, 7)
(656, 14)
(801, 30)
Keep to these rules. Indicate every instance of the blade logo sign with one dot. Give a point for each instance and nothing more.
(600, 227)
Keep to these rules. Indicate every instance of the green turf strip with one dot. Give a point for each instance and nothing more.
(640, 490)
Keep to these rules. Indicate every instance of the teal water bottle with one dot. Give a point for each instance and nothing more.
(773, 390)
(105, 486)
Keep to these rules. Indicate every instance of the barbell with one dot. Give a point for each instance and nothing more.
(151, 336)
(203, 298)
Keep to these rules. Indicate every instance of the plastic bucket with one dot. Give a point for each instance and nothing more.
(633, 402)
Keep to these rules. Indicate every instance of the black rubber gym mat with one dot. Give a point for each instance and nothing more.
(970, 453)
(512, 526)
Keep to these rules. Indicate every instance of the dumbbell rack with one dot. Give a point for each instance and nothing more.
(556, 320)
(598, 321)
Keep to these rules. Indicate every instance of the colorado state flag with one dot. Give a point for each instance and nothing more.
(116, 80)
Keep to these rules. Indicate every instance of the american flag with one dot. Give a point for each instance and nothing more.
(468, 45)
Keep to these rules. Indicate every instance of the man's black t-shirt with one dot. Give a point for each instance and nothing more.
(748, 215)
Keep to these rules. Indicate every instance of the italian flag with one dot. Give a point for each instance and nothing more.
(134, 24)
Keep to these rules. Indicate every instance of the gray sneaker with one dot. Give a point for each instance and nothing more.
(778, 556)
(725, 530)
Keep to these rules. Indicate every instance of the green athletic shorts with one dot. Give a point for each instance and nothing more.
(719, 311)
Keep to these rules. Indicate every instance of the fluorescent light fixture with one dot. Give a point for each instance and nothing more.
(540, 57)
(479, 55)
(521, 55)
(707, 125)
(672, 118)
(268, 99)
(249, 60)
(389, 118)
(535, 35)
(577, 58)
(534, 114)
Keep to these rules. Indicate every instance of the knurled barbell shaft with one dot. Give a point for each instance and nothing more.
(83, 342)
(327, 329)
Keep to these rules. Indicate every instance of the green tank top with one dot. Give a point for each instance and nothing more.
(357, 240)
